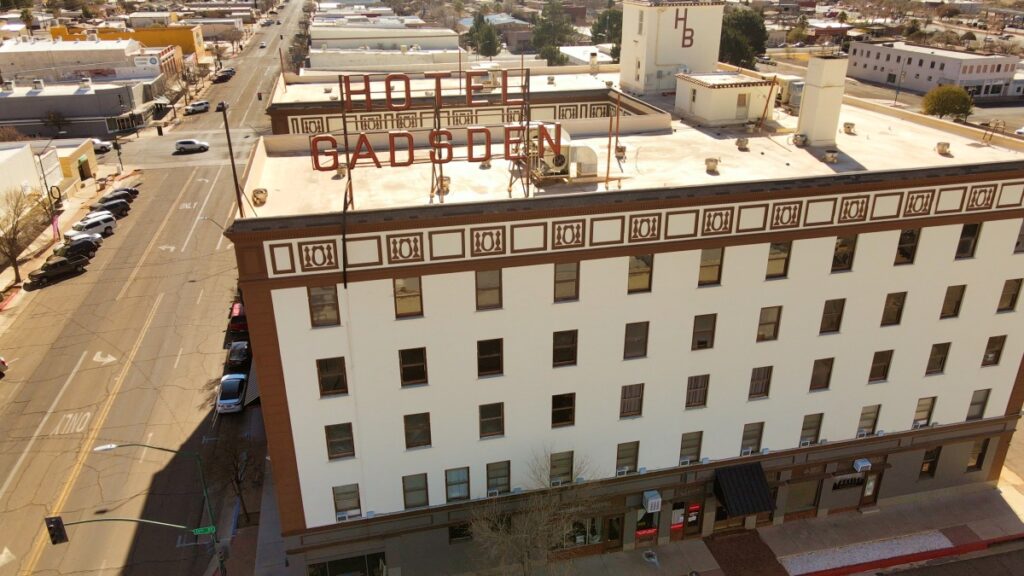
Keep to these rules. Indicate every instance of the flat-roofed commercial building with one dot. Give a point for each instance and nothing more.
(832, 327)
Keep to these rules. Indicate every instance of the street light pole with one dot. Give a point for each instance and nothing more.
(223, 108)
(46, 184)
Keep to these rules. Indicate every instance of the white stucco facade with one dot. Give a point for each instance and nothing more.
(722, 98)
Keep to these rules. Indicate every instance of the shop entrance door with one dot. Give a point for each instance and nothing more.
(872, 481)
(613, 533)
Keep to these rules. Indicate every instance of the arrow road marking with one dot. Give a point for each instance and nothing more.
(166, 248)
(103, 358)
(6, 557)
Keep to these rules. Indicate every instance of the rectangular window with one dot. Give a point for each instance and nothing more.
(710, 266)
(689, 447)
(489, 357)
(760, 382)
(811, 429)
(488, 289)
(499, 477)
(697, 391)
(563, 348)
(414, 491)
(993, 351)
(636, 340)
(930, 462)
(1018, 246)
(868, 420)
(880, 363)
(703, 331)
(892, 312)
(417, 430)
(768, 323)
(931, 64)
(641, 268)
(408, 298)
(640, 27)
(923, 412)
(906, 249)
(842, 256)
(413, 366)
(976, 458)
(821, 373)
(942, 65)
(456, 484)
(751, 442)
(340, 443)
(952, 301)
(330, 372)
(1008, 298)
(626, 457)
(832, 316)
(631, 401)
(460, 532)
(567, 281)
(937, 358)
(561, 468)
(346, 502)
(563, 410)
(778, 260)
(968, 241)
(323, 306)
(492, 419)
(976, 411)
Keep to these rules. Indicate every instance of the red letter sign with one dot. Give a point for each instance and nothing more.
(471, 87)
(392, 137)
(331, 153)
(407, 96)
(440, 150)
(471, 145)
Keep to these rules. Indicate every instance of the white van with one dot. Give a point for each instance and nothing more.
(97, 223)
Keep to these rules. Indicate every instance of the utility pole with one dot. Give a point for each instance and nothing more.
(222, 107)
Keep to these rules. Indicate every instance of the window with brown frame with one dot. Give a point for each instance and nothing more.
(906, 248)
(751, 440)
(832, 316)
(697, 391)
(641, 270)
(1008, 298)
(499, 477)
(631, 401)
(561, 468)
(710, 266)
(821, 373)
(489, 358)
(703, 331)
(346, 501)
(768, 323)
(492, 419)
(330, 373)
(952, 301)
(414, 491)
(778, 260)
(937, 358)
(417, 430)
(323, 306)
(979, 400)
(968, 243)
(976, 457)
(930, 462)
(567, 281)
(408, 297)
(923, 412)
(842, 255)
(627, 456)
(563, 410)
(868, 420)
(993, 351)
(760, 382)
(340, 443)
(636, 340)
(456, 483)
(689, 446)
(413, 366)
(880, 363)
(811, 429)
(488, 289)
(892, 311)
(563, 349)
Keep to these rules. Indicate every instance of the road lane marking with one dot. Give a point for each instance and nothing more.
(90, 440)
(49, 411)
(6, 557)
(232, 209)
(72, 423)
(145, 448)
(178, 357)
(200, 297)
(199, 216)
(152, 242)
(103, 358)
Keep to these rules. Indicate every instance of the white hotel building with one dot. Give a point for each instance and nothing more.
(777, 339)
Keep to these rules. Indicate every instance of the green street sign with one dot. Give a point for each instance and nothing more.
(204, 530)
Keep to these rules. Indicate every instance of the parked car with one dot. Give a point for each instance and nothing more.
(231, 394)
(279, 22)
(263, 44)
(221, 78)
(239, 358)
(79, 245)
(97, 223)
(72, 235)
(58, 267)
(101, 146)
(129, 189)
(3, 367)
(119, 208)
(1019, 131)
(237, 322)
(227, 71)
(116, 195)
(764, 59)
(197, 107)
(191, 146)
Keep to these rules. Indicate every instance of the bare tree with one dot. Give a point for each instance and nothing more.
(56, 120)
(15, 209)
(234, 36)
(232, 467)
(11, 134)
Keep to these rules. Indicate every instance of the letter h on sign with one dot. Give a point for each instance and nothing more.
(687, 32)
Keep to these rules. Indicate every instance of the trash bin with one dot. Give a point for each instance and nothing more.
(259, 95)
(159, 130)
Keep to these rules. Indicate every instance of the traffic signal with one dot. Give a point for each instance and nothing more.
(55, 526)
(117, 145)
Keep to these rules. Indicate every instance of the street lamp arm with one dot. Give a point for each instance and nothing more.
(108, 447)
(136, 520)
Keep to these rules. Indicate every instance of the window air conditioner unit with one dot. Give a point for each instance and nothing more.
(862, 464)
(918, 425)
(370, 513)
(804, 443)
(765, 450)
(555, 483)
(517, 490)
(341, 516)
(641, 470)
(934, 424)
(684, 461)
(580, 479)
(746, 452)
(862, 433)
(705, 460)
(880, 433)
(823, 441)
(492, 493)
(622, 471)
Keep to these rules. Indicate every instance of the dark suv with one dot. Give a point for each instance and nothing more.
(116, 195)
(119, 208)
(238, 359)
(77, 246)
(58, 267)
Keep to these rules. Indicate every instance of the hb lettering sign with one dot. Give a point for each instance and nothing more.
(397, 96)
(687, 31)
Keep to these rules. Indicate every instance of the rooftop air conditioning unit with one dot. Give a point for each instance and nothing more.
(37, 84)
(328, 89)
(85, 83)
(622, 471)
(492, 493)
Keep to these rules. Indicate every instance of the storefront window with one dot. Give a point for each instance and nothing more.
(583, 532)
(802, 496)
(647, 528)
(685, 519)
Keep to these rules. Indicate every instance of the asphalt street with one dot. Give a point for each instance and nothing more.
(130, 352)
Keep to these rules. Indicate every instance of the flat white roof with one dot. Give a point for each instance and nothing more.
(22, 90)
(722, 79)
(10, 46)
(935, 51)
(583, 53)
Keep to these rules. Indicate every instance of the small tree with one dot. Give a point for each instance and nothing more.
(27, 17)
(796, 34)
(842, 18)
(607, 29)
(968, 37)
(15, 207)
(948, 101)
(488, 43)
(552, 30)
(232, 467)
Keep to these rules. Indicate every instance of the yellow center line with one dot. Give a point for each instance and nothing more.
(42, 536)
